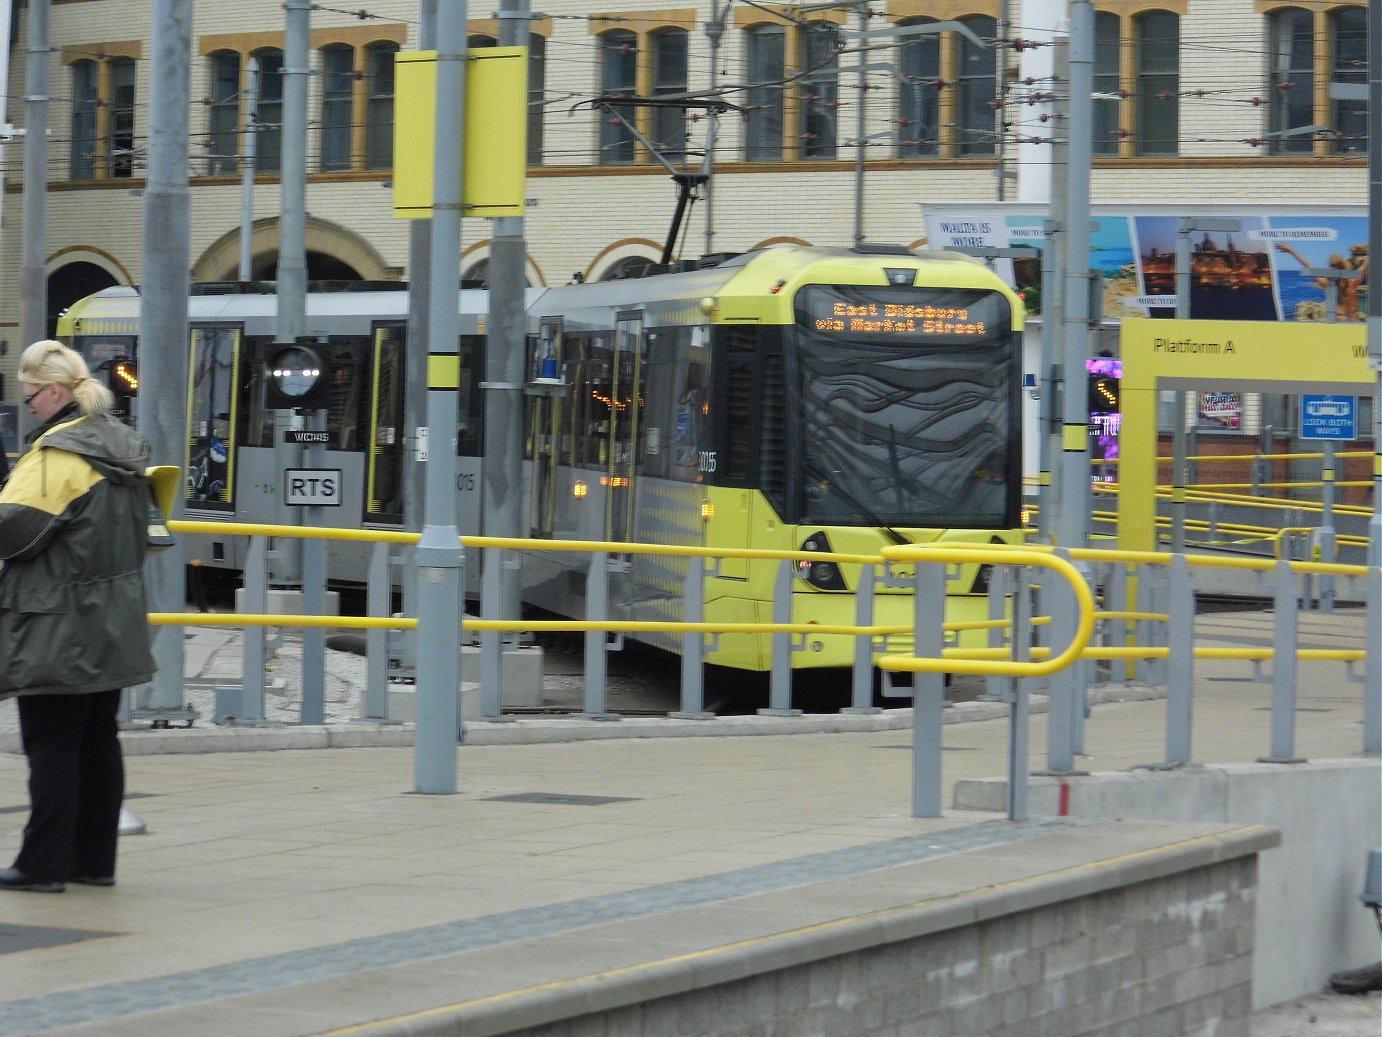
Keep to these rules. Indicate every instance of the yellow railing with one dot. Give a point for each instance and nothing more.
(980, 661)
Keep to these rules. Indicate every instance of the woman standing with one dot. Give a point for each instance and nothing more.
(73, 618)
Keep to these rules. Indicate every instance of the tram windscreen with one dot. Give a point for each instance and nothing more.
(909, 404)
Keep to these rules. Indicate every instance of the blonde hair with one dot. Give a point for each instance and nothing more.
(49, 362)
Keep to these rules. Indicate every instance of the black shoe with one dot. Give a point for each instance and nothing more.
(13, 878)
(93, 880)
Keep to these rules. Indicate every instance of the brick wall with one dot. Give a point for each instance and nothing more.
(1160, 958)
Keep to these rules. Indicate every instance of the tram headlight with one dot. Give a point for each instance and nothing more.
(824, 575)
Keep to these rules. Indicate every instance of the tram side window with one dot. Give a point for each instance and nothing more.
(470, 416)
(592, 402)
(256, 420)
(384, 464)
(347, 412)
(676, 405)
(211, 407)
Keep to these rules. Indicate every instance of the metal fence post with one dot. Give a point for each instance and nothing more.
(256, 600)
(379, 603)
(1114, 633)
(491, 641)
(1180, 663)
(693, 645)
(780, 689)
(928, 689)
(1079, 670)
(1019, 711)
(596, 641)
(1372, 678)
(1152, 593)
(1064, 691)
(995, 688)
(1286, 636)
(861, 680)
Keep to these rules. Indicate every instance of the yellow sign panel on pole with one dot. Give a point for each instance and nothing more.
(1198, 355)
(495, 153)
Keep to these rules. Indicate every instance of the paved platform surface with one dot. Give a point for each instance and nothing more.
(291, 891)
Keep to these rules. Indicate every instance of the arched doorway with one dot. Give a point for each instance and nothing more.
(333, 253)
(320, 267)
(70, 282)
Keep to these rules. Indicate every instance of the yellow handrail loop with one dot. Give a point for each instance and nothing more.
(997, 554)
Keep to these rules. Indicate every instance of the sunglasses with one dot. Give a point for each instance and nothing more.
(30, 398)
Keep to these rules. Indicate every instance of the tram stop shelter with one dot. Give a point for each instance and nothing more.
(1237, 356)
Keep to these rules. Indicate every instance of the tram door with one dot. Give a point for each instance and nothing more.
(384, 462)
(213, 375)
(626, 405)
(547, 364)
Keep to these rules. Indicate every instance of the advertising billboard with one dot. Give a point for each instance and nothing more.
(1254, 273)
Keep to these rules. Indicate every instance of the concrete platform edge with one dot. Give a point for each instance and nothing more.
(563, 999)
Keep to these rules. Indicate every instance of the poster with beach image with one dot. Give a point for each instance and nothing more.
(1323, 243)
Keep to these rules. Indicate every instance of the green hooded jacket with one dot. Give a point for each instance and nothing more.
(73, 534)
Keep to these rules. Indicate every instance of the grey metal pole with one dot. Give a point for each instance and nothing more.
(415, 373)
(1072, 526)
(1375, 249)
(861, 125)
(163, 317)
(247, 153)
(714, 31)
(1183, 285)
(1000, 138)
(33, 280)
(292, 247)
(286, 556)
(503, 461)
(292, 322)
(440, 558)
(6, 130)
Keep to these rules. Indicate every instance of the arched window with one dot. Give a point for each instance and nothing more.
(103, 96)
(976, 88)
(820, 90)
(618, 78)
(120, 128)
(338, 81)
(537, 65)
(1158, 83)
(379, 104)
(767, 70)
(669, 48)
(919, 115)
(85, 95)
(269, 142)
(1349, 118)
(1292, 80)
(223, 131)
(1107, 58)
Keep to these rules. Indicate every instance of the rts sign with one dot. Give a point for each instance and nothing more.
(312, 487)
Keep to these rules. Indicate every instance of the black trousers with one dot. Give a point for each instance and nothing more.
(76, 785)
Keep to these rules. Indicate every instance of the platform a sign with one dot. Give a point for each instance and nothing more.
(1328, 417)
